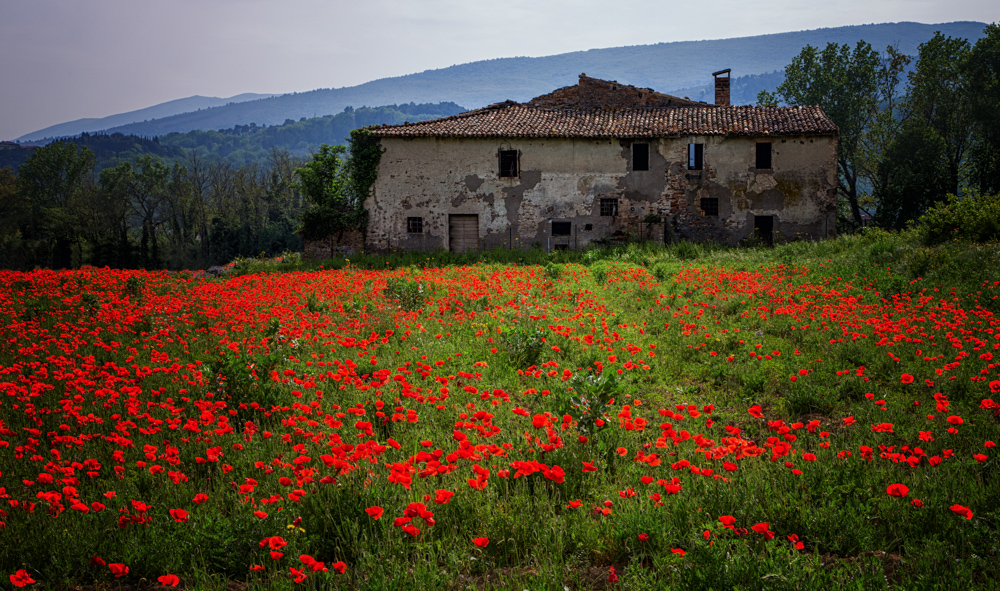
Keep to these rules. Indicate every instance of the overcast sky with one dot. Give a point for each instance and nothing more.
(69, 59)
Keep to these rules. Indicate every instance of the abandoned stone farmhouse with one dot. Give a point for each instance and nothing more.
(601, 160)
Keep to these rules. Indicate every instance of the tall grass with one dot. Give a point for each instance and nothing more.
(774, 385)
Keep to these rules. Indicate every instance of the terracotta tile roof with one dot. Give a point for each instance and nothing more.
(515, 120)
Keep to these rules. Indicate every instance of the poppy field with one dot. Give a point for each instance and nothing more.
(633, 420)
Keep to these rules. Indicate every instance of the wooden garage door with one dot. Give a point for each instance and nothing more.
(463, 232)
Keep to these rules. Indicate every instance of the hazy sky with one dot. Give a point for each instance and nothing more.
(69, 59)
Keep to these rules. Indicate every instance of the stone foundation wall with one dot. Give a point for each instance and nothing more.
(346, 244)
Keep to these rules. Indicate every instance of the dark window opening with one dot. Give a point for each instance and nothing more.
(763, 156)
(508, 163)
(640, 156)
(696, 156)
(414, 225)
(710, 205)
(609, 206)
(588, 227)
(561, 228)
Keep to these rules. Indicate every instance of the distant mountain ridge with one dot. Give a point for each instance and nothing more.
(167, 109)
(683, 68)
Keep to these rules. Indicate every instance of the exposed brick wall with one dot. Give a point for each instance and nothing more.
(593, 93)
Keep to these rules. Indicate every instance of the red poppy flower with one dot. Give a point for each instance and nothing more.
(374, 512)
(809, 457)
(260, 514)
(963, 511)
(169, 580)
(897, 490)
(612, 576)
(574, 504)
(276, 555)
(96, 561)
(296, 575)
(313, 564)
(917, 503)
(906, 379)
(21, 578)
(643, 537)
(200, 498)
(481, 542)
(442, 496)
(955, 420)
(274, 542)
(411, 530)
(339, 566)
(794, 539)
(118, 569)
(678, 551)
(755, 411)
(179, 515)
(761, 527)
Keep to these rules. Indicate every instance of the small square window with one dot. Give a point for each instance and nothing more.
(588, 227)
(609, 206)
(562, 228)
(508, 163)
(414, 225)
(710, 205)
(696, 156)
(640, 156)
(763, 156)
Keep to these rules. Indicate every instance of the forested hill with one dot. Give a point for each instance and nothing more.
(167, 109)
(242, 145)
(682, 68)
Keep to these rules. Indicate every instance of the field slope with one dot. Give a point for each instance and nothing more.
(807, 416)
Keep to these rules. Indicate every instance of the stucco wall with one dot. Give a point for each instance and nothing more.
(565, 179)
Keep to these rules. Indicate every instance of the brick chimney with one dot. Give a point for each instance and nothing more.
(722, 86)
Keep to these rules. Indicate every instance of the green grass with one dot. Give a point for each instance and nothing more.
(535, 352)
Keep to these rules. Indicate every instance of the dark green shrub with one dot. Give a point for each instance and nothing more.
(976, 219)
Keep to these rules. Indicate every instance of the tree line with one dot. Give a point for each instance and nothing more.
(58, 212)
(913, 129)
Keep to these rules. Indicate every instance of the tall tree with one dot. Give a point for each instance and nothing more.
(938, 97)
(915, 173)
(983, 77)
(145, 186)
(12, 212)
(53, 180)
(325, 183)
(851, 88)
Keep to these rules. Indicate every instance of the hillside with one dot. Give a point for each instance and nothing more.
(682, 68)
(243, 144)
(167, 109)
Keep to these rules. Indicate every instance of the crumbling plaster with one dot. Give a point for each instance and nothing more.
(565, 179)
